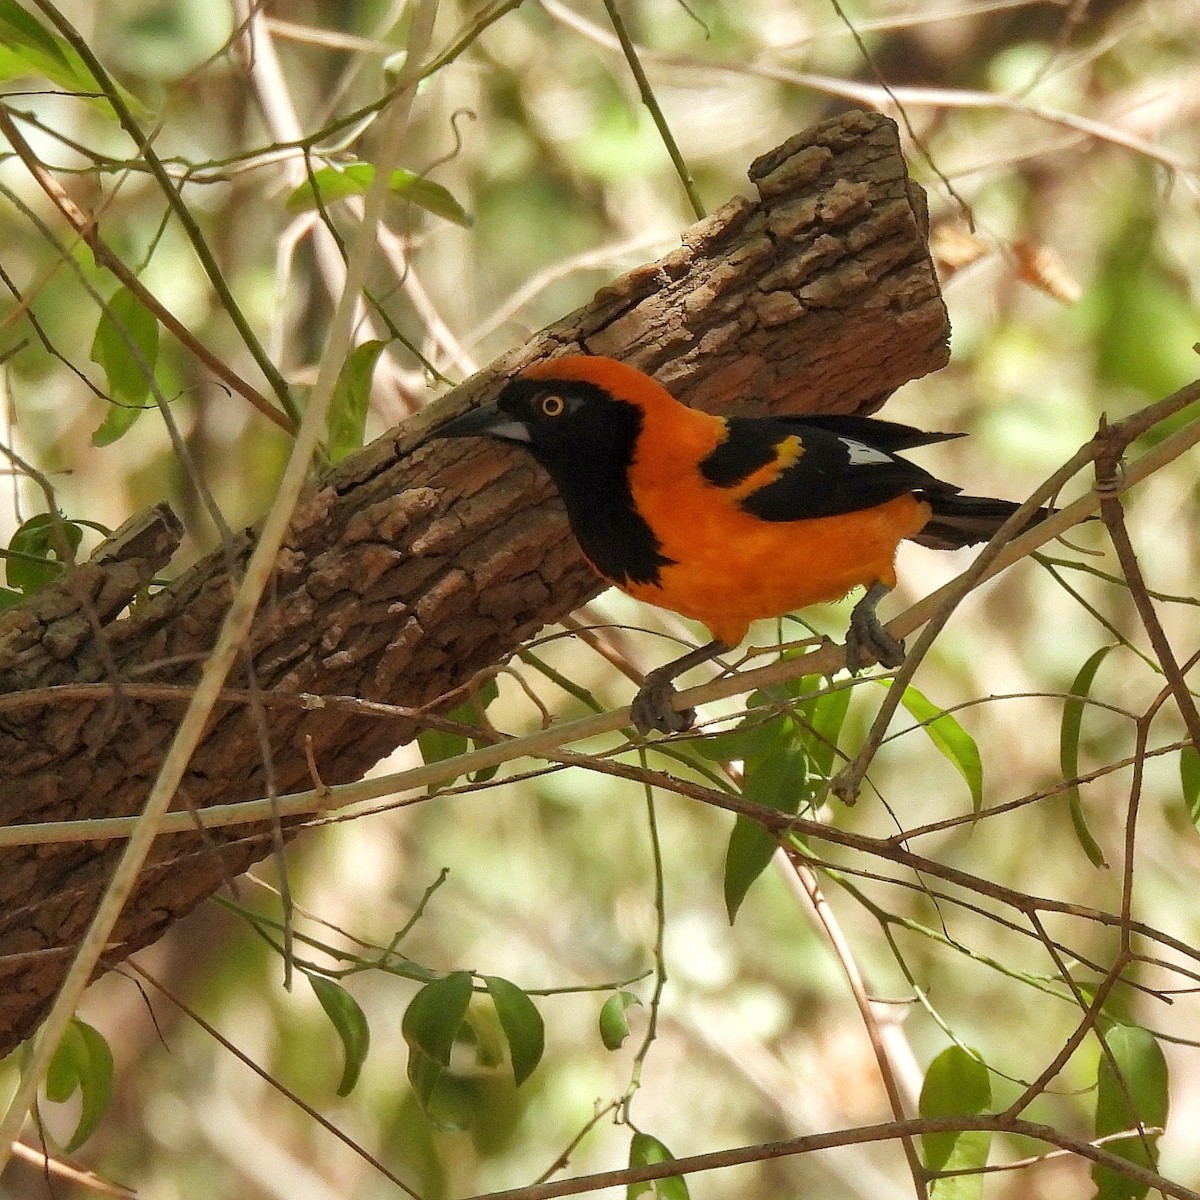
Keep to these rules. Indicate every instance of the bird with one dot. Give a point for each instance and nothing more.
(728, 520)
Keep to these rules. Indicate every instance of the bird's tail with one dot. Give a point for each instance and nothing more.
(960, 520)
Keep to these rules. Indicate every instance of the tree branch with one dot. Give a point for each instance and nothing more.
(413, 566)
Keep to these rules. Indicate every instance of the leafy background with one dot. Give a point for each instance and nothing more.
(1069, 131)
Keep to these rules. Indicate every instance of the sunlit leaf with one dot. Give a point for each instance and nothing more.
(335, 183)
(956, 1084)
(126, 349)
(330, 184)
(956, 745)
(83, 1062)
(1068, 752)
(39, 543)
(522, 1025)
(351, 1025)
(645, 1151)
(117, 422)
(22, 33)
(351, 398)
(28, 48)
(614, 1024)
(1134, 1092)
(484, 1032)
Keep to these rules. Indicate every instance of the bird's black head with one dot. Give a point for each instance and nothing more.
(581, 422)
(574, 428)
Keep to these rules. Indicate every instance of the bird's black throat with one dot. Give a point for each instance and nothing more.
(588, 454)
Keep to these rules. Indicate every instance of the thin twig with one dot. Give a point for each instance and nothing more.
(87, 1180)
(182, 213)
(85, 227)
(1112, 513)
(772, 819)
(871, 95)
(811, 889)
(847, 783)
(646, 92)
(660, 955)
(270, 1079)
(862, 1135)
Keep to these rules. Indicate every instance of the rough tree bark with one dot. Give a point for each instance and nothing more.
(412, 566)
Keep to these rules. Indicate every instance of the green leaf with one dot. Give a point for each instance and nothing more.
(1068, 752)
(351, 397)
(614, 1024)
(752, 737)
(522, 1025)
(1189, 781)
(125, 347)
(439, 745)
(819, 714)
(116, 424)
(351, 1025)
(782, 756)
(28, 48)
(430, 196)
(746, 857)
(1136, 1091)
(777, 780)
(826, 714)
(330, 184)
(957, 1084)
(430, 1026)
(83, 1062)
(353, 179)
(645, 1151)
(952, 740)
(37, 539)
(22, 33)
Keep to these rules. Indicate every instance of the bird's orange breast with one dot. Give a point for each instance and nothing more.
(730, 568)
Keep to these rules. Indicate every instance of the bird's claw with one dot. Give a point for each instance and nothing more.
(867, 639)
(652, 707)
(863, 648)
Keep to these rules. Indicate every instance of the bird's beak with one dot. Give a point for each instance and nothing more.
(486, 421)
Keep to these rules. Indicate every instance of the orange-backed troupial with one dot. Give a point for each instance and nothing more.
(728, 519)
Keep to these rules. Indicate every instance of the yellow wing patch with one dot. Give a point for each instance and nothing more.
(787, 454)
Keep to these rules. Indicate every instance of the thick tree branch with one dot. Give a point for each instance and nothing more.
(414, 565)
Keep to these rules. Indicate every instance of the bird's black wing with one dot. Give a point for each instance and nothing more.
(885, 435)
(818, 468)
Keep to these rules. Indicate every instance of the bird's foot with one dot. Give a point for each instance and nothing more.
(866, 638)
(652, 707)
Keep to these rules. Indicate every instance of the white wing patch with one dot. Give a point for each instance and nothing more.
(861, 454)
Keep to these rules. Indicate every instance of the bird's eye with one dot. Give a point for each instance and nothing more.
(552, 405)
